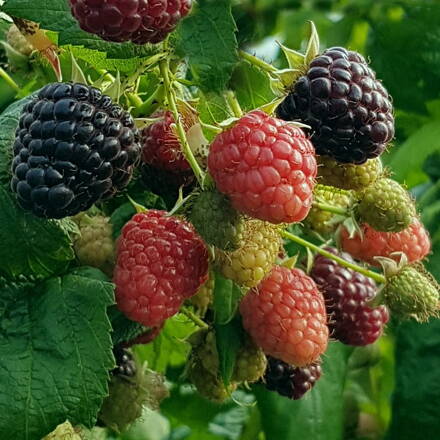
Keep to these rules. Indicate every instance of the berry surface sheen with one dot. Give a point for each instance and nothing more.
(73, 148)
(348, 109)
(266, 167)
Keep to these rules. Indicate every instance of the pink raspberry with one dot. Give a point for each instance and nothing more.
(161, 261)
(266, 167)
(285, 316)
(413, 241)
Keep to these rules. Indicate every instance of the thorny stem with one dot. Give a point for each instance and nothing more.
(257, 61)
(193, 317)
(330, 208)
(234, 104)
(368, 273)
(164, 66)
(9, 80)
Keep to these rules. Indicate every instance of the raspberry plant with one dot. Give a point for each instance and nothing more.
(172, 208)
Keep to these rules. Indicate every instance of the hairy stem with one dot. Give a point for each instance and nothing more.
(193, 317)
(368, 273)
(9, 80)
(234, 104)
(330, 208)
(164, 66)
(257, 61)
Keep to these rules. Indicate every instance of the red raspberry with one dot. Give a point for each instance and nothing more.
(161, 147)
(413, 241)
(266, 167)
(346, 294)
(161, 261)
(285, 316)
(139, 21)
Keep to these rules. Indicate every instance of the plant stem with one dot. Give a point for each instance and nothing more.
(164, 66)
(368, 273)
(193, 317)
(233, 103)
(257, 61)
(9, 80)
(330, 208)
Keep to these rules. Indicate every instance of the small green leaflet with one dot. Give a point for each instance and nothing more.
(32, 246)
(227, 296)
(55, 354)
(207, 38)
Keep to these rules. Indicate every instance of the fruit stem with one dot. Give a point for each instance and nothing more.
(193, 317)
(257, 61)
(164, 66)
(9, 80)
(330, 208)
(368, 273)
(150, 105)
(233, 103)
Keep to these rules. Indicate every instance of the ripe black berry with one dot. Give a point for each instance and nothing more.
(139, 21)
(290, 381)
(73, 147)
(347, 293)
(125, 365)
(348, 109)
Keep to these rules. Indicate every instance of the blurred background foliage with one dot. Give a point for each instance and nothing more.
(386, 391)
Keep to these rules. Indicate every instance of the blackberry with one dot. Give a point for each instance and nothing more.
(73, 148)
(290, 381)
(125, 364)
(347, 294)
(139, 21)
(348, 109)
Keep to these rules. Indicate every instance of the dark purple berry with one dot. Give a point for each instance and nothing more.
(139, 21)
(71, 150)
(290, 381)
(125, 364)
(348, 109)
(346, 294)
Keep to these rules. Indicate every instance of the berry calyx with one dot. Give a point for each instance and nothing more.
(348, 176)
(324, 222)
(347, 294)
(386, 206)
(73, 148)
(18, 42)
(255, 257)
(216, 221)
(266, 167)
(413, 241)
(348, 109)
(285, 315)
(290, 381)
(138, 21)
(161, 261)
(94, 246)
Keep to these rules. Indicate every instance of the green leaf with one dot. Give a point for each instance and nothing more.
(32, 246)
(320, 414)
(8, 123)
(55, 354)
(124, 330)
(252, 86)
(170, 347)
(408, 160)
(227, 296)
(416, 397)
(207, 38)
(229, 340)
(57, 17)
